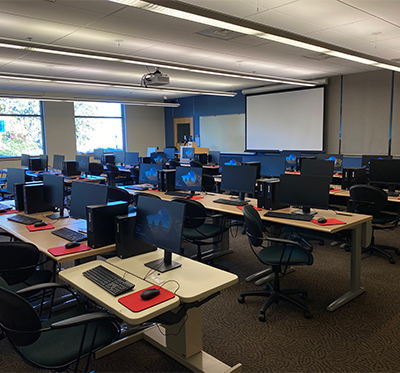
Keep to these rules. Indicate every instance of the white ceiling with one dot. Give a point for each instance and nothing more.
(367, 26)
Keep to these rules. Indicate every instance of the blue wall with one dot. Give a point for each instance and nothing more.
(198, 106)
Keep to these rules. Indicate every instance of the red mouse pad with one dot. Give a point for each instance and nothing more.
(196, 197)
(61, 250)
(329, 222)
(136, 304)
(32, 228)
(9, 212)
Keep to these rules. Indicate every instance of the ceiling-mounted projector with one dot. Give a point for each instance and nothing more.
(156, 78)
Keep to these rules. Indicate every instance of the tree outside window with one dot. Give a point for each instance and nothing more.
(98, 125)
(20, 127)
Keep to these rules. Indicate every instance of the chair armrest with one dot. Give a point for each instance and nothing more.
(83, 319)
(43, 286)
(283, 241)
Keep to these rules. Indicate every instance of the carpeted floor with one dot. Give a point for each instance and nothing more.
(361, 336)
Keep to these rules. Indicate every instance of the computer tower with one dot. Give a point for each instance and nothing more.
(35, 164)
(166, 180)
(69, 168)
(352, 176)
(33, 199)
(201, 157)
(100, 220)
(126, 243)
(19, 196)
(268, 194)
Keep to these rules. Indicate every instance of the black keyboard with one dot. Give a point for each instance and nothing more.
(178, 194)
(108, 280)
(284, 215)
(69, 234)
(27, 220)
(232, 202)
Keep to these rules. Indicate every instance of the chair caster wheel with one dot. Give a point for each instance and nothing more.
(303, 295)
(307, 314)
(397, 252)
(241, 299)
(261, 317)
(347, 249)
(391, 261)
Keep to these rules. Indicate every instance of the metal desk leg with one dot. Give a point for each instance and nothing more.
(355, 271)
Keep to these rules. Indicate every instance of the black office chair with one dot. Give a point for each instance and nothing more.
(96, 169)
(118, 194)
(197, 230)
(195, 164)
(115, 176)
(19, 265)
(371, 200)
(208, 183)
(134, 175)
(173, 163)
(279, 254)
(58, 342)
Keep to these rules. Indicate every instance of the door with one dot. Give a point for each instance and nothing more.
(183, 127)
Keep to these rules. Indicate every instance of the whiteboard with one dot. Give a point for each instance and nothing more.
(223, 132)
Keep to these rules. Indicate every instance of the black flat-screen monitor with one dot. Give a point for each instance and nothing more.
(385, 172)
(273, 166)
(84, 194)
(350, 162)
(336, 158)
(119, 156)
(158, 158)
(316, 167)
(292, 160)
(25, 160)
(239, 179)
(58, 161)
(169, 153)
(213, 157)
(304, 190)
(53, 194)
(148, 173)
(160, 224)
(131, 158)
(98, 154)
(14, 176)
(82, 163)
(44, 161)
(108, 158)
(366, 158)
(189, 178)
(228, 160)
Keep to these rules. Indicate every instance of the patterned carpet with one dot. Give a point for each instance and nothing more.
(362, 336)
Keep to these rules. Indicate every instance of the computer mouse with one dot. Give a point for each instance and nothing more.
(321, 220)
(40, 224)
(71, 245)
(149, 293)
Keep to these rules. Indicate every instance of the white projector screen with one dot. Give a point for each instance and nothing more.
(292, 120)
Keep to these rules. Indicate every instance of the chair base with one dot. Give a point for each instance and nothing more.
(380, 249)
(276, 296)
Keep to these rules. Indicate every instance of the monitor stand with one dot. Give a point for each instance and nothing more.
(165, 264)
(304, 211)
(241, 198)
(392, 191)
(59, 215)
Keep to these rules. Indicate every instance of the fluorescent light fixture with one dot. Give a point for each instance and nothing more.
(91, 54)
(116, 85)
(224, 21)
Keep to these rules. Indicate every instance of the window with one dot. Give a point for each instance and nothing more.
(21, 127)
(98, 125)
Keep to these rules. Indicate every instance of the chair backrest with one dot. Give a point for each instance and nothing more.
(17, 314)
(118, 194)
(195, 164)
(95, 168)
(173, 163)
(18, 261)
(367, 199)
(144, 194)
(112, 169)
(254, 227)
(195, 212)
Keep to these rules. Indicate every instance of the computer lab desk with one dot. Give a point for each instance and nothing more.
(183, 340)
(45, 240)
(359, 225)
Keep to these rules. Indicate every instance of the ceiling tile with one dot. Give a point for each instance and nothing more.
(377, 7)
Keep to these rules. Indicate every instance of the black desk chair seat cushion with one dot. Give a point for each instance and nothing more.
(96, 169)
(19, 264)
(57, 342)
(371, 200)
(278, 253)
(196, 229)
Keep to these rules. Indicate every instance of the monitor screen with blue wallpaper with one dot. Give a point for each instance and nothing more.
(189, 178)
(148, 173)
(336, 158)
(228, 160)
